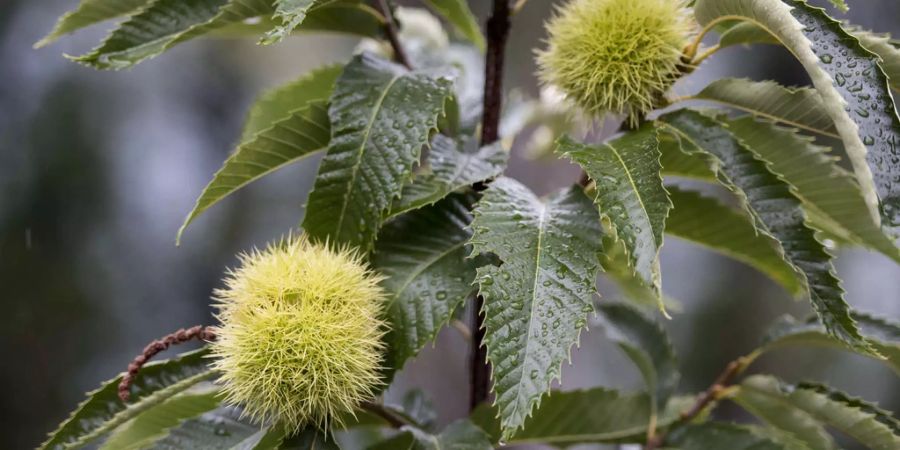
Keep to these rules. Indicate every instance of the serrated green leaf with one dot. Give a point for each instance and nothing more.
(459, 435)
(718, 435)
(630, 194)
(830, 195)
(676, 163)
(291, 14)
(277, 104)
(854, 89)
(166, 23)
(301, 134)
(841, 5)
(882, 46)
(882, 333)
(597, 415)
(454, 166)
(154, 423)
(218, 430)
(381, 115)
(103, 411)
(777, 212)
(457, 12)
(646, 343)
(772, 406)
(423, 255)
(89, 12)
(714, 225)
(874, 428)
(798, 107)
(537, 302)
(419, 407)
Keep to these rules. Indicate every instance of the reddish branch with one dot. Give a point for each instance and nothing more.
(199, 332)
(712, 394)
(393, 34)
(497, 33)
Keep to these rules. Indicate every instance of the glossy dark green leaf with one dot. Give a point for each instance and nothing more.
(863, 421)
(154, 423)
(90, 12)
(423, 255)
(454, 165)
(629, 194)
(381, 117)
(309, 439)
(777, 212)
(278, 103)
(708, 222)
(103, 411)
(220, 430)
(537, 301)
(883, 333)
(831, 196)
(301, 134)
(646, 343)
(798, 107)
(166, 23)
(854, 89)
(596, 415)
(676, 163)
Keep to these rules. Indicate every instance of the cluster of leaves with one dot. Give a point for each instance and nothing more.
(396, 180)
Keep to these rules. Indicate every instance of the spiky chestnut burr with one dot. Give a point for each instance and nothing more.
(617, 56)
(300, 340)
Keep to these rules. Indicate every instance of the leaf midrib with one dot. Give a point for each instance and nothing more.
(531, 318)
(366, 135)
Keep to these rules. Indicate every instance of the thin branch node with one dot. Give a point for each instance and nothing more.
(393, 32)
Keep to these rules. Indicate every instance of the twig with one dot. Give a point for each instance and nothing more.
(497, 33)
(199, 332)
(395, 420)
(712, 394)
(392, 32)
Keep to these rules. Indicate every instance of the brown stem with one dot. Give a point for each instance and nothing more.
(181, 336)
(497, 33)
(390, 27)
(711, 395)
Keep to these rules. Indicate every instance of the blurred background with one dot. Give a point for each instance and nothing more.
(98, 170)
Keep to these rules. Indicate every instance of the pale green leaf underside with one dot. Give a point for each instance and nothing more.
(537, 302)
(454, 165)
(712, 224)
(166, 23)
(423, 255)
(278, 103)
(676, 163)
(854, 88)
(89, 12)
(300, 134)
(719, 435)
(155, 423)
(381, 115)
(831, 196)
(646, 343)
(890, 55)
(103, 411)
(457, 12)
(597, 415)
(798, 107)
(872, 427)
(629, 193)
(777, 212)
(882, 333)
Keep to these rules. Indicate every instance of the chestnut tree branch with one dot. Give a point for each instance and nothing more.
(393, 32)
